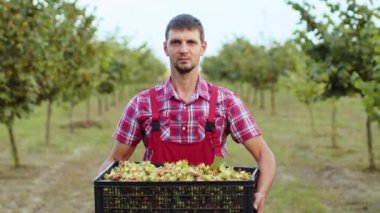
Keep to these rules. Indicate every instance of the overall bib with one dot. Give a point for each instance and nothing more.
(195, 153)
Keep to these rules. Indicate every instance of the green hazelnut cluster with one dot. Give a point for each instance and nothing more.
(178, 171)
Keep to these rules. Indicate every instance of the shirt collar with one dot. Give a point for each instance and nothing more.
(202, 90)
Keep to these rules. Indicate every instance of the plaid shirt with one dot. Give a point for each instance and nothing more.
(184, 122)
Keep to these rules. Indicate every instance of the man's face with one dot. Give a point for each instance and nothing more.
(184, 49)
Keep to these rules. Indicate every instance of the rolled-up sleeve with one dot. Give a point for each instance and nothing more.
(242, 124)
(128, 130)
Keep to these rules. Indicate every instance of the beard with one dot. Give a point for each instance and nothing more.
(184, 69)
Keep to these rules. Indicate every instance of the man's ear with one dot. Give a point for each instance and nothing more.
(204, 47)
(165, 48)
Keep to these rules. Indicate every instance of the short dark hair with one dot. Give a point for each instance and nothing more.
(185, 21)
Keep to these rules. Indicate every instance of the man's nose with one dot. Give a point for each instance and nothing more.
(183, 48)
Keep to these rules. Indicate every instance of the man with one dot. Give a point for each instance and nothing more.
(187, 117)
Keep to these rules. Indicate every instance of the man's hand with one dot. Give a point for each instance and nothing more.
(259, 202)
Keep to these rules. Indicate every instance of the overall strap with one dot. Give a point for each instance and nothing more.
(210, 124)
(155, 117)
(211, 115)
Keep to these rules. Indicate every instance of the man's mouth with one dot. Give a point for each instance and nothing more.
(183, 59)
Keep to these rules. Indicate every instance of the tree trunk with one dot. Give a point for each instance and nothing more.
(238, 89)
(128, 91)
(369, 144)
(71, 124)
(121, 93)
(288, 105)
(311, 117)
(241, 91)
(48, 121)
(113, 103)
(16, 160)
(106, 103)
(273, 99)
(249, 92)
(100, 107)
(255, 96)
(88, 109)
(333, 126)
(262, 101)
(245, 92)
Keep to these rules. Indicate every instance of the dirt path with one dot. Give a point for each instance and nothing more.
(64, 185)
(358, 190)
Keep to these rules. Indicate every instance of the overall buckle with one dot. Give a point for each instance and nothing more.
(210, 126)
(156, 125)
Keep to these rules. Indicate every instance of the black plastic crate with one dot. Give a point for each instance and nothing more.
(174, 196)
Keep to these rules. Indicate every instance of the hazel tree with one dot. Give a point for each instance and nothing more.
(343, 45)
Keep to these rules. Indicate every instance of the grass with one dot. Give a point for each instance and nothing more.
(306, 179)
(311, 176)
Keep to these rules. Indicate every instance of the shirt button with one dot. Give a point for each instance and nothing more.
(184, 107)
(183, 128)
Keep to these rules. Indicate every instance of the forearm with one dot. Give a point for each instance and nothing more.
(267, 166)
(119, 152)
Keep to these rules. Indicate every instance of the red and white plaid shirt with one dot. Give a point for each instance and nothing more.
(184, 122)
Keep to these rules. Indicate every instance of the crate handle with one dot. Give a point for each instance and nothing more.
(255, 174)
(98, 177)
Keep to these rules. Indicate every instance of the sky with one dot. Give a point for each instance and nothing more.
(223, 20)
(259, 21)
